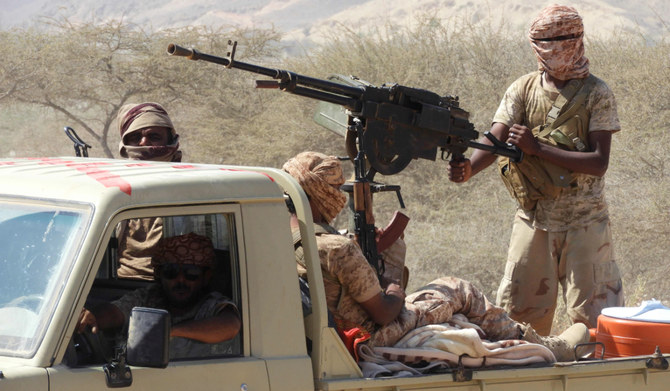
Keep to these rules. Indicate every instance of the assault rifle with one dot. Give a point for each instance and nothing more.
(387, 127)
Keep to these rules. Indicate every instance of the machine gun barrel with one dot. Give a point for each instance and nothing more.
(311, 87)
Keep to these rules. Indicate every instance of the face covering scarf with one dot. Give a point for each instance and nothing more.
(556, 36)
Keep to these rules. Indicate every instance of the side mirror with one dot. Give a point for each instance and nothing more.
(149, 338)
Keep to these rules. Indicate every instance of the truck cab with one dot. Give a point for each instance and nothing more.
(59, 220)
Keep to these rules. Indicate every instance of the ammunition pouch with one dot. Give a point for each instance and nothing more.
(533, 179)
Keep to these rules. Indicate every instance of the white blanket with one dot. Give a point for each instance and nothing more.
(442, 345)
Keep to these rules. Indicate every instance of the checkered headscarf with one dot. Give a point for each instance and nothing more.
(321, 177)
(190, 249)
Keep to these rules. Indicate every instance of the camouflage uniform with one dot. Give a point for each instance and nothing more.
(350, 280)
(567, 239)
(208, 306)
(137, 240)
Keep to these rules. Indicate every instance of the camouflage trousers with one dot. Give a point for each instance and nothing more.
(436, 302)
(581, 260)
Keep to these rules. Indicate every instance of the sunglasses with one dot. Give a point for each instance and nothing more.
(190, 272)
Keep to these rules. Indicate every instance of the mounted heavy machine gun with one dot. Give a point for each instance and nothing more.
(386, 127)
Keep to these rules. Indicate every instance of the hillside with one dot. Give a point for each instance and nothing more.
(308, 21)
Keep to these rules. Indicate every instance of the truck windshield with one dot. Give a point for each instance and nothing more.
(37, 247)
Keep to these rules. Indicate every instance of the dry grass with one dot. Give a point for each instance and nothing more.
(460, 230)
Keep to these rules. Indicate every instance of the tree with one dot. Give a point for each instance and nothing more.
(13, 73)
(88, 71)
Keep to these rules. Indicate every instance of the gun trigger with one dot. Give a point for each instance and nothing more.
(444, 154)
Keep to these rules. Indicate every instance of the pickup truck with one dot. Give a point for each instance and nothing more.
(58, 219)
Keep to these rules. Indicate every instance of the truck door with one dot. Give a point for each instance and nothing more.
(227, 365)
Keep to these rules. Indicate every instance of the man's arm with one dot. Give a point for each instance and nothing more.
(463, 170)
(112, 315)
(593, 162)
(105, 316)
(383, 308)
(221, 327)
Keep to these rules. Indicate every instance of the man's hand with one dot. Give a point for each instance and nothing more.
(86, 318)
(523, 138)
(385, 281)
(459, 170)
(106, 316)
(396, 290)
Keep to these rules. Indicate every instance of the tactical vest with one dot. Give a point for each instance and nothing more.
(566, 127)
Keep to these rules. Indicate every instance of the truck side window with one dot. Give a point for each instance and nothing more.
(222, 291)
